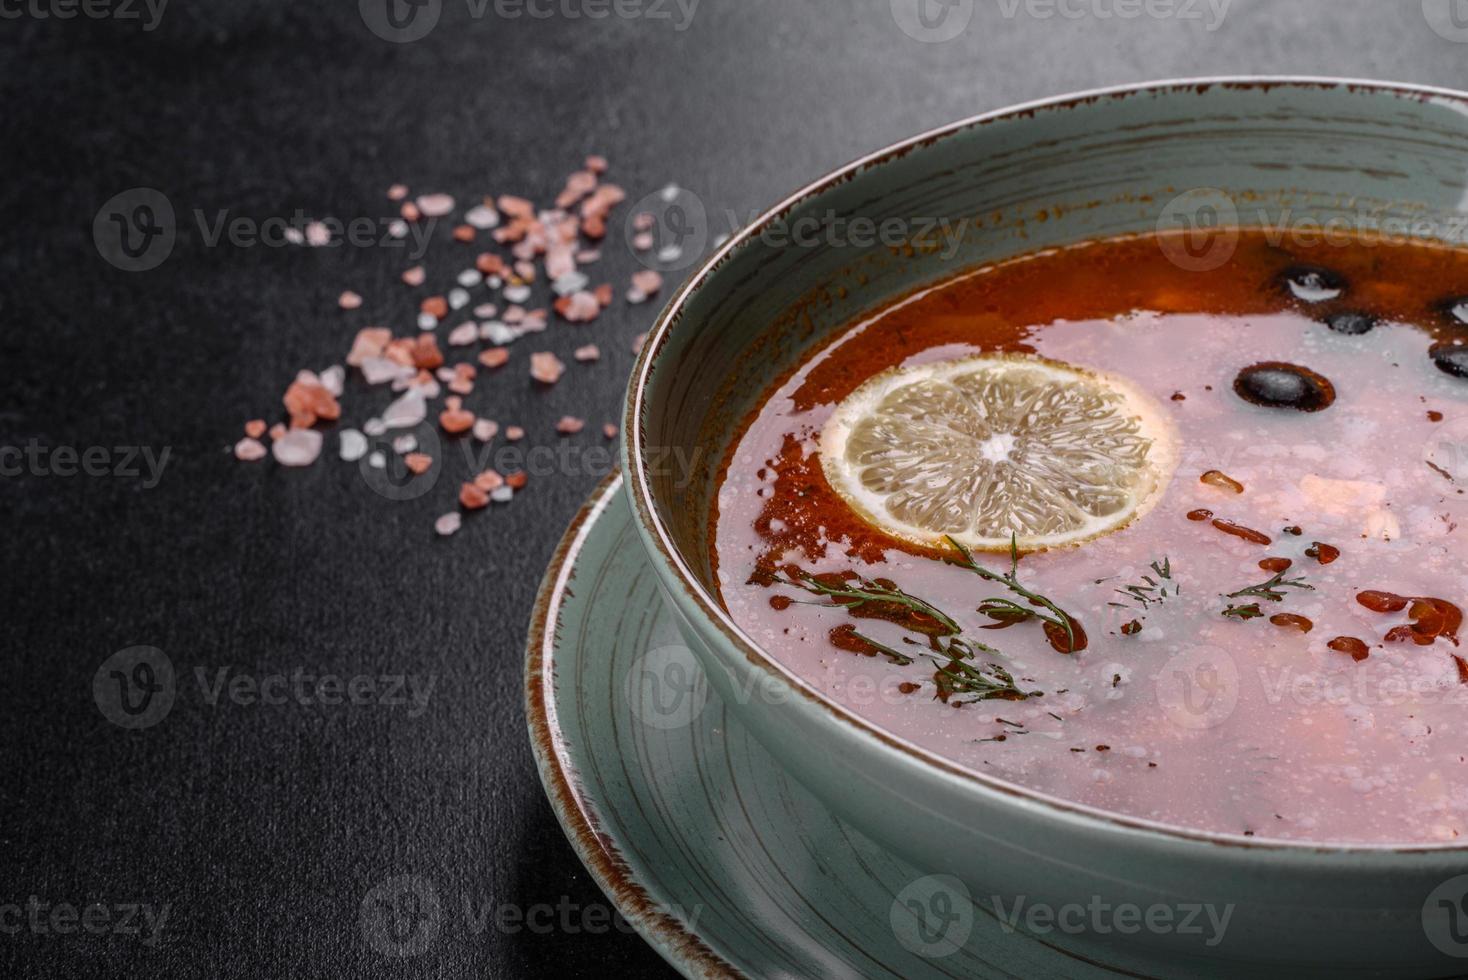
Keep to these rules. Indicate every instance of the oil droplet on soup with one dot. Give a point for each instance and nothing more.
(1242, 647)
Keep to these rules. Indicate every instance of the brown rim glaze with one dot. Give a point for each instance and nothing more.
(647, 516)
(595, 848)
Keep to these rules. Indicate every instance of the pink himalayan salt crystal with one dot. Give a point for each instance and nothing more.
(596, 163)
(369, 342)
(637, 343)
(647, 281)
(489, 481)
(643, 221)
(349, 300)
(485, 429)
(448, 523)
(588, 353)
(642, 241)
(569, 425)
(414, 276)
(249, 449)
(379, 370)
(255, 428)
(578, 185)
(514, 433)
(609, 430)
(579, 307)
(494, 357)
(546, 367)
(435, 205)
(397, 192)
(464, 334)
(560, 261)
(278, 430)
(317, 234)
(298, 447)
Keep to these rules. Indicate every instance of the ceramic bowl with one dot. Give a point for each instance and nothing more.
(1207, 155)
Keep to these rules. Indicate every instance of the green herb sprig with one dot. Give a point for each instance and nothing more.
(1007, 611)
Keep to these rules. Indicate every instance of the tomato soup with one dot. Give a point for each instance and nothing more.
(1270, 648)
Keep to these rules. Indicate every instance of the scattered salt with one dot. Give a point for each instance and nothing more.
(298, 447)
(353, 445)
(249, 449)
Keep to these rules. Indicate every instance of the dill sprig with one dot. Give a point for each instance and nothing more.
(1008, 611)
(895, 656)
(1150, 590)
(1271, 590)
(858, 592)
(985, 682)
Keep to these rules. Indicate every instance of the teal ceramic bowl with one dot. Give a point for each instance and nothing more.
(1380, 157)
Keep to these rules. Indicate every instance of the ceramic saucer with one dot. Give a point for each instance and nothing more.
(724, 865)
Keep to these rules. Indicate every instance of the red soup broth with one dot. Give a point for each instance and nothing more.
(1337, 712)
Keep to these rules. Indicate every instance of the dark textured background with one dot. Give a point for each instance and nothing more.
(262, 827)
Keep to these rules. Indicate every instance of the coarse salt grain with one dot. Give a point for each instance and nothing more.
(485, 429)
(349, 300)
(405, 444)
(333, 379)
(414, 276)
(455, 418)
(418, 463)
(397, 192)
(407, 411)
(317, 234)
(513, 433)
(298, 447)
(255, 428)
(469, 278)
(353, 445)
(647, 281)
(570, 425)
(502, 495)
(448, 523)
(482, 217)
(590, 352)
(435, 205)
(494, 357)
(249, 449)
(546, 367)
(579, 307)
(472, 497)
(609, 430)
(464, 334)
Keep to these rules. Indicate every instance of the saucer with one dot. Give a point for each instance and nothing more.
(721, 862)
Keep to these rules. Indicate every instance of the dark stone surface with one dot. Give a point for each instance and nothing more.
(262, 828)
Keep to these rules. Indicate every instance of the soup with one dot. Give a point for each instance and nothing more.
(1180, 545)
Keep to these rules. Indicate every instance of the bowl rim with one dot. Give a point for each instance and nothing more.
(657, 534)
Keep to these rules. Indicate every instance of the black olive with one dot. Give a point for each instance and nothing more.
(1455, 310)
(1450, 359)
(1275, 384)
(1313, 283)
(1351, 324)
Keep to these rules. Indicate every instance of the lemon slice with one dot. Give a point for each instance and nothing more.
(980, 448)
